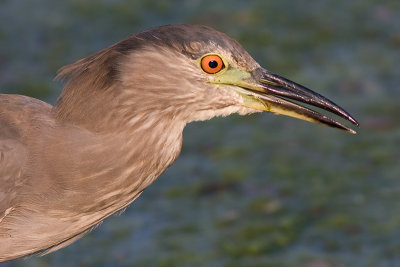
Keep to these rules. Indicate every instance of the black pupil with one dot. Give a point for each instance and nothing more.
(213, 64)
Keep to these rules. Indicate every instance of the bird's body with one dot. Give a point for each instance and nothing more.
(116, 127)
(75, 170)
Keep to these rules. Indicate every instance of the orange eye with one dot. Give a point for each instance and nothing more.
(212, 64)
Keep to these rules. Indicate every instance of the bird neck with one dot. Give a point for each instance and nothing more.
(111, 167)
(94, 110)
(90, 97)
(142, 151)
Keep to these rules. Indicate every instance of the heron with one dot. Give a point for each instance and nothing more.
(117, 125)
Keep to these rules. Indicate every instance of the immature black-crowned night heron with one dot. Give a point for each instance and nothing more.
(118, 125)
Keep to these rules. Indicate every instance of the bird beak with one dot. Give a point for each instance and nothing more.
(263, 90)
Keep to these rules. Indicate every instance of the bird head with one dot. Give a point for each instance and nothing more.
(193, 73)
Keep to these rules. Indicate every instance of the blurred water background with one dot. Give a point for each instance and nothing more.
(259, 190)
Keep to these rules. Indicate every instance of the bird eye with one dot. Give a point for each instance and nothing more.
(212, 64)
